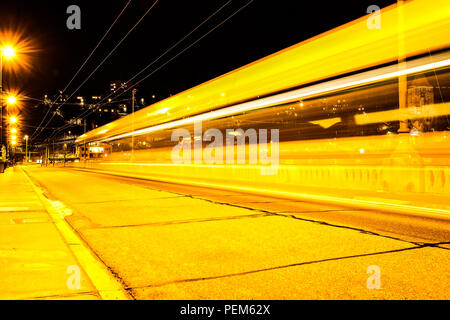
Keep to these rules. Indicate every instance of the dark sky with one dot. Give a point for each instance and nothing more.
(262, 28)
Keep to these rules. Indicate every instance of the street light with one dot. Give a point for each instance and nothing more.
(11, 100)
(8, 52)
(12, 120)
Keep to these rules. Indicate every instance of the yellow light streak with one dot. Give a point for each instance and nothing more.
(289, 96)
(345, 49)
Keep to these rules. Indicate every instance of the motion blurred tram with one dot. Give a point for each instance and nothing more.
(362, 116)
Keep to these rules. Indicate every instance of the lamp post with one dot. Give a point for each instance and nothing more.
(1, 101)
(26, 148)
(7, 52)
(402, 80)
(12, 120)
(133, 93)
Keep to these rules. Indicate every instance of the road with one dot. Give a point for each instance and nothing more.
(166, 241)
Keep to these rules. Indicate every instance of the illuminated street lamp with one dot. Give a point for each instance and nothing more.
(11, 100)
(8, 52)
(13, 130)
(13, 120)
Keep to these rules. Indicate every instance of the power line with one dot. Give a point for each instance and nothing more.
(98, 44)
(92, 52)
(111, 52)
(191, 45)
(114, 49)
(170, 60)
(162, 55)
(85, 61)
(181, 40)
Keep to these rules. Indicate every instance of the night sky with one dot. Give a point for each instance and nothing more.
(56, 53)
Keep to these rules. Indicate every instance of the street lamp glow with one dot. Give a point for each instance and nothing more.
(13, 138)
(13, 120)
(13, 130)
(8, 52)
(11, 100)
(14, 142)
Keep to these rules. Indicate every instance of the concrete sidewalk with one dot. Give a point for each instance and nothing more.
(35, 260)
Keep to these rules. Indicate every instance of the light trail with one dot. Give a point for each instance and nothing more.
(283, 98)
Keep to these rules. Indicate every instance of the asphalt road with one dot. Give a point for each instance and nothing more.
(166, 241)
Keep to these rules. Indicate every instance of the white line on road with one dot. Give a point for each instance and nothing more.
(9, 209)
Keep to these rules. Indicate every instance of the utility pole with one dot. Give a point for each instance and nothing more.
(26, 149)
(133, 92)
(1, 101)
(402, 80)
(1, 107)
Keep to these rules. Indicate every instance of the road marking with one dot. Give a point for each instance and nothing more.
(106, 284)
(8, 209)
(30, 220)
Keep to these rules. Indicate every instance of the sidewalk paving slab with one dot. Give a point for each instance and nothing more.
(34, 258)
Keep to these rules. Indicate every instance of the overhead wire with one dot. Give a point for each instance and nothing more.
(109, 54)
(88, 112)
(84, 63)
(99, 104)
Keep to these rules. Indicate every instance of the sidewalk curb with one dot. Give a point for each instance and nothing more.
(106, 284)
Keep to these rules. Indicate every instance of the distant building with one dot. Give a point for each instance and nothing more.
(86, 112)
(116, 85)
(418, 98)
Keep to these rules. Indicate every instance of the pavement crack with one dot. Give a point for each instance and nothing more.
(328, 224)
(436, 245)
(58, 296)
(166, 223)
(130, 289)
(273, 213)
